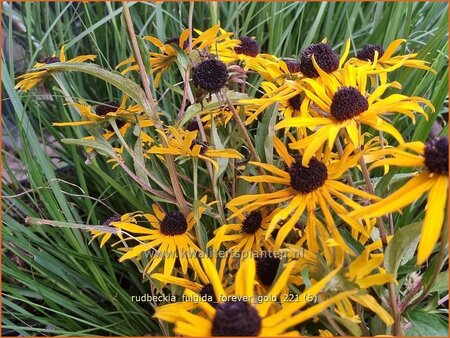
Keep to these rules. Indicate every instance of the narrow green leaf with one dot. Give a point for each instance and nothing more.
(403, 240)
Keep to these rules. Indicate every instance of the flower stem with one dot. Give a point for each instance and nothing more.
(178, 192)
(396, 313)
(247, 138)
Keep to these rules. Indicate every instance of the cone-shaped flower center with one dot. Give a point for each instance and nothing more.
(436, 155)
(50, 59)
(325, 58)
(368, 52)
(295, 102)
(348, 102)
(107, 107)
(252, 222)
(174, 223)
(203, 145)
(210, 75)
(293, 66)
(208, 291)
(176, 41)
(267, 267)
(236, 319)
(307, 179)
(111, 219)
(248, 46)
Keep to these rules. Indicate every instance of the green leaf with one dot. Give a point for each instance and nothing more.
(404, 241)
(441, 283)
(145, 53)
(182, 58)
(350, 326)
(264, 134)
(116, 79)
(222, 162)
(196, 108)
(426, 324)
(139, 161)
(377, 326)
(104, 149)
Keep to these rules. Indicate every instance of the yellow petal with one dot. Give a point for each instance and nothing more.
(434, 218)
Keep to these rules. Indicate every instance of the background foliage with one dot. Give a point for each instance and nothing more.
(54, 282)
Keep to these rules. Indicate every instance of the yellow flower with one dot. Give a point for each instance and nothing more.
(105, 236)
(382, 60)
(185, 143)
(346, 105)
(203, 288)
(288, 102)
(167, 239)
(221, 115)
(246, 237)
(125, 117)
(31, 79)
(241, 313)
(361, 273)
(162, 61)
(305, 189)
(103, 112)
(433, 158)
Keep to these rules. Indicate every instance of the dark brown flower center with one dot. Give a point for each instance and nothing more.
(174, 223)
(307, 179)
(248, 46)
(192, 126)
(176, 40)
(236, 319)
(50, 59)
(293, 66)
(111, 219)
(203, 145)
(368, 52)
(267, 267)
(348, 102)
(436, 155)
(252, 222)
(107, 107)
(295, 102)
(325, 58)
(210, 75)
(208, 291)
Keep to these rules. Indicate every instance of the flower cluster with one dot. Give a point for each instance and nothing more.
(288, 229)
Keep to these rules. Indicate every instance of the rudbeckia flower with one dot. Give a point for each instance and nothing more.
(185, 143)
(241, 313)
(233, 50)
(305, 189)
(347, 106)
(167, 239)
(162, 61)
(432, 157)
(221, 116)
(31, 79)
(203, 287)
(284, 84)
(105, 236)
(245, 237)
(103, 112)
(383, 60)
(289, 104)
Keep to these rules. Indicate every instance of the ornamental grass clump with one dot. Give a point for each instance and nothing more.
(260, 209)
